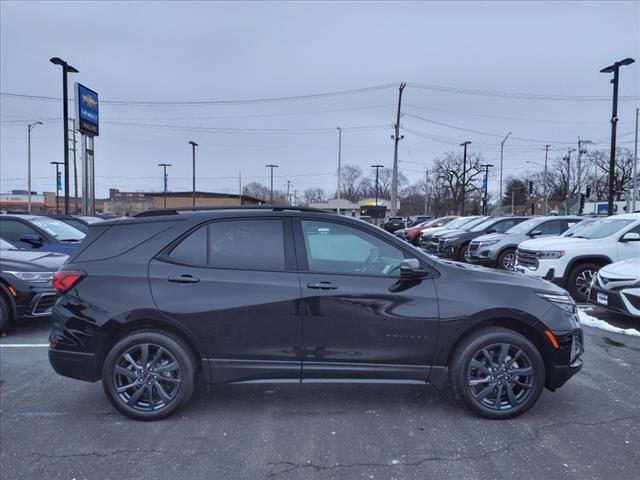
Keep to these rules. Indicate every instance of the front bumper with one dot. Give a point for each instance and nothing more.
(611, 300)
(560, 374)
(78, 365)
(565, 361)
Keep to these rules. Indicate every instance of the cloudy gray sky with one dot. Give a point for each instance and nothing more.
(174, 52)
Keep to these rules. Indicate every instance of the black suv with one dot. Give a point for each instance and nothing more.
(298, 295)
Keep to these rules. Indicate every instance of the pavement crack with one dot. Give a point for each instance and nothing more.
(284, 467)
(98, 454)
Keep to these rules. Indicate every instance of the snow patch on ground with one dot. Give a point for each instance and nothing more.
(588, 320)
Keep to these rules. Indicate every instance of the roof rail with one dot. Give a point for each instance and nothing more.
(275, 208)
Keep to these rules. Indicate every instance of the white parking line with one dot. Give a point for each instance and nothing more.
(23, 345)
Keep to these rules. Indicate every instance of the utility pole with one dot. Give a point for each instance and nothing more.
(295, 197)
(546, 181)
(568, 159)
(614, 68)
(57, 164)
(271, 166)
(30, 127)
(164, 182)
(635, 167)
(397, 137)
(193, 189)
(339, 166)
(580, 152)
(426, 192)
(502, 166)
(75, 167)
(240, 186)
(289, 197)
(66, 68)
(464, 175)
(486, 167)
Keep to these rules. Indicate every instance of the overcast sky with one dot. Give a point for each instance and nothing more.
(164, 51)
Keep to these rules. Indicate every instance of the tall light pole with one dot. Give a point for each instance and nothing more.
(568, 159)
(66, 68)
(193, 189)
(486, 167)
(30, 127)
(339, 166)
(57, 164)
(502, 166)
(614, 68)
(164, 182)
(464, 175)
(271, 167)
(635, 166)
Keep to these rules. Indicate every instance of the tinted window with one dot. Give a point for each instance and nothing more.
(12, 230)
(335, 248)
(241, 244)
(552, 227)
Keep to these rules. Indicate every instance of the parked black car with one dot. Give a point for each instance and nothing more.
(454, 245)
(80, 222)
(298, 295)
(393, 224)
(25, 284)
(39, 233)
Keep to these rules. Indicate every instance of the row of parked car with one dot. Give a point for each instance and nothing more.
(32, 249)
(567, 250)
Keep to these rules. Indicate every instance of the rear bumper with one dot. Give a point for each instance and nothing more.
(78, 365)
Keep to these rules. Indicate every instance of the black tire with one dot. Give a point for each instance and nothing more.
(167, 376)
(6, 315)
(517, 385)
(507, 260)
(579, 281)
(462, 253)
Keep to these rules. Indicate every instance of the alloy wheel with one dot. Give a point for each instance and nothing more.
(509, 261)
(583, 281)
(147, 377)
(500, 376)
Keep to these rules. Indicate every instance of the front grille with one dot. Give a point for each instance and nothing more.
(431, 245)
(527, 258)
(473, 246)
(441, 245)
(44, 303)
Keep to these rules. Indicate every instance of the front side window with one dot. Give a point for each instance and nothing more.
(235, 244)
(552, 227)
(336, 248)
(13, 230)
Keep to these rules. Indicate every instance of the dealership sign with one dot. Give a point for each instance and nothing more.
(87, 110)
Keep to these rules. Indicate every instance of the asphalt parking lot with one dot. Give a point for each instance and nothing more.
(54, 427)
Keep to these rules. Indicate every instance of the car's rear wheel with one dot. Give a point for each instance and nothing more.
(497, 373)
(507, 260)
(6, 316)
(579, 282)
(148, 375)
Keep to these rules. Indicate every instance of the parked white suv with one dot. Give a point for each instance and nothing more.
(572, 262)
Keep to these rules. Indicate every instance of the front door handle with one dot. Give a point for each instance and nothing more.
(322, 286)
(183, 279)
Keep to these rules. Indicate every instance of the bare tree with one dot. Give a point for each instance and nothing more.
(350, 182)
(313, 195)
(448, 171)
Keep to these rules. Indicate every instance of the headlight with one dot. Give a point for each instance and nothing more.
(450, 240)
(550, 255)
(33, 277)
(564, 301)
(489, 243)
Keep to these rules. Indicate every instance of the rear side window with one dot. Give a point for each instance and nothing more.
(13, 230)
(235, 244)
(552, 227)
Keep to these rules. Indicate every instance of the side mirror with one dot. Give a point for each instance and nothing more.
(535, 232)
(630, 237)
(411, 268)
(34, 240)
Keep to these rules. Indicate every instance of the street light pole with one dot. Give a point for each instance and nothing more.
(614, 68)
(66, 68)
(486, 167)
(164, 180)
(57, 164)
(377, 167)
(30, 127)
(546, 181)
(464, 175)
(501, 166)
(193, 188)
(271, 166)
(339, 166)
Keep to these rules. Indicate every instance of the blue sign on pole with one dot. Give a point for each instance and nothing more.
(87, 111)
(59, 181)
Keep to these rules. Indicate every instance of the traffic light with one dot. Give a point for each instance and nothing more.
(530, 187)
(581, 204)
(588, 193)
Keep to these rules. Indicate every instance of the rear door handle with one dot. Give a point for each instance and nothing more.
(183, 279)
(322, 286)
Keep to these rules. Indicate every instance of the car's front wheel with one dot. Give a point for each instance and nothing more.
(497, 373)
(507, 260)
(579, 282)
(148, 375)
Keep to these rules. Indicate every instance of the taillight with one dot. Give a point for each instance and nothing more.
(64, 281)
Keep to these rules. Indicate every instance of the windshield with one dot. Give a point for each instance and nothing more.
(578, 227)
(525, 226)
(602, 228)
(58, 229)
(457, 223)
(4, 245)
(482, 225)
